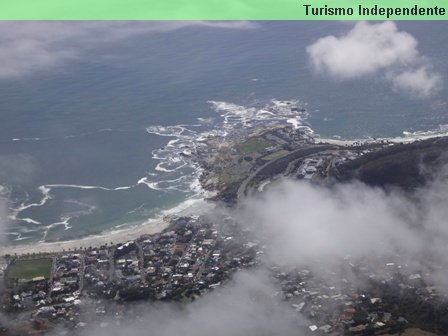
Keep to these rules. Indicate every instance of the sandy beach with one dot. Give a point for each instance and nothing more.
(196, 207)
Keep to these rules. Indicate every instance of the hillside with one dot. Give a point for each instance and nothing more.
(407, 166)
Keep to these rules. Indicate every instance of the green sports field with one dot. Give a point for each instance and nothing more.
(253, 145)
(28, 269)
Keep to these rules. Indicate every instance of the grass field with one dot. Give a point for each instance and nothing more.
(253, 145)
(28, 269)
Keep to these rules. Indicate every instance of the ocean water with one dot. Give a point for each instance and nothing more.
(87, 147)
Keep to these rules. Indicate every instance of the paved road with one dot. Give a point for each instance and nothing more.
(141, 262)
(294, 155)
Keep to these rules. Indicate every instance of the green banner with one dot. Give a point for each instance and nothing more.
(223, 9)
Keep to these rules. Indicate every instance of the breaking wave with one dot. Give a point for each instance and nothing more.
(177, 168)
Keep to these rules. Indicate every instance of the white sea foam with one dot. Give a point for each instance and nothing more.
(272, 113)
(29, 220)
(150, 185)
(170, 165)
(76, 186)
(27, 139)
(294, 122)
(177, 167)
(206, 121)
(170, 131)
(19, 236)
(45, 197)
(65, 221)
(69, 136)
(86, 209)
(141, 206)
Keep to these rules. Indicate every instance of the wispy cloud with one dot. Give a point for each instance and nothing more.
(17, 168)
(246, 306)
(421, 82)
(369, 49)
(30, 46)
(314, 225)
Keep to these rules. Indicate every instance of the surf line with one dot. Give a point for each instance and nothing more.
(87, 187)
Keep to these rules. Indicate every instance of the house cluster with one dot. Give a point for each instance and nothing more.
(27, 295)
(127, 264)
(356, 299)
(192, 257)
(67, 276)
(97, 270)
(64, 302)
(195, 256)
(50, 300)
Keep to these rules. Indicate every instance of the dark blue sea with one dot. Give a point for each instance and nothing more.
(74, 140)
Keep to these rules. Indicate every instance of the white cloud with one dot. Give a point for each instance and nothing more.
(368, 49)
(29, 46)
(244, 307)
(306, 225)
(364, 50)
(421, 81)
(17, 168)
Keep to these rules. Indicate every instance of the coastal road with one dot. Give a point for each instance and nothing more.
(284, 160)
